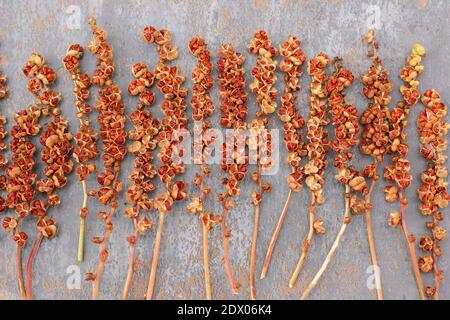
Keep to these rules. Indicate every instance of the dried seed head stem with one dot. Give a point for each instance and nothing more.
(169, 82)
(264, 79)
(433, 192)
(132, 264)
(399, 170)
(56, 155)
(346, 128)
(19, 266)
(21, 178)
(234, 160)
(202, 109)
(86, 138)
(306, 244)
(144, 140)
(113, 135)
(291, 65)
(323, 267)
(375, 137)
(275, 236)
(317, 148)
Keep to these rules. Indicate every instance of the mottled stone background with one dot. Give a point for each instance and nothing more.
(335, 27)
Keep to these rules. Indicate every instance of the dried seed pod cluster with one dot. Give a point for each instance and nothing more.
(346, 128)
(21, 178)
(21, 181)
(143, 136)
(231, 88)
(263, 74)
(202, 104)
(375, 136)
(433, 192)
(318, 147)
(234, 159)
(3, 146)
(169, 82)
(202, 109)
(291, 66)
(377, 86)
(141, 85)
(399, 171)
(56, 155)
(319, 143)
(262, 86)
(171, 134)
(260, 143)
(85, 151)
(166, 50)
(56, 140)
(113, 136)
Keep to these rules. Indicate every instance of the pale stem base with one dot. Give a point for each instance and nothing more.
(306, 244)
(20, 282)
(208, 289)
(29, 268)
(372, 248)
(253, 252)
(103, 256)
(275, 235)
(226, 258)
(131, 266)
(81, 236)
(334, 247)
(412, 252)
(156, 250)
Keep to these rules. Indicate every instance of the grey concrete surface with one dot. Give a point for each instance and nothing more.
(335, 27)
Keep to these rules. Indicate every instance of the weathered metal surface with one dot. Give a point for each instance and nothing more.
(335, 27)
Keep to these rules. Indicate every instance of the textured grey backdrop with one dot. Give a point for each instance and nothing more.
(335, 27)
